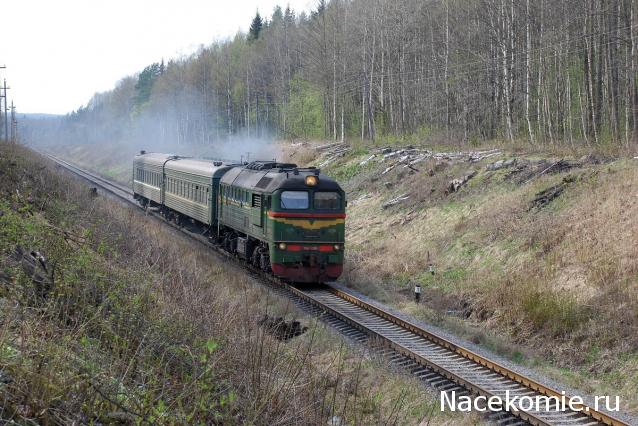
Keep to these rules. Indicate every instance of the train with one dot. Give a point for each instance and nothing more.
(283, 219)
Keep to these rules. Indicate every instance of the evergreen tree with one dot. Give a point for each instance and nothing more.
(289, 16)
(145, 82)
(321, 7)
(255, 27)
(277, 16)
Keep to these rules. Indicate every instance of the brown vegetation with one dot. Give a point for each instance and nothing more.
(535, 255)
(142, 326)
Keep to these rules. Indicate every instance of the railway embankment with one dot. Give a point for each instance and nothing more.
(530, 254)
(109, 317)
(527, 253)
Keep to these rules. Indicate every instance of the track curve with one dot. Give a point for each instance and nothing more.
(447, 365)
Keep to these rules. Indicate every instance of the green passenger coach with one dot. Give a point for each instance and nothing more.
(281, 218)
(191, 188)
(148, 171)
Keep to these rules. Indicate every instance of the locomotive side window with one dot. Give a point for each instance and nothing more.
(294, 200)
(327, 201)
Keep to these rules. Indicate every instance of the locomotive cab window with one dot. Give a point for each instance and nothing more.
(327, 201)
(295, 200)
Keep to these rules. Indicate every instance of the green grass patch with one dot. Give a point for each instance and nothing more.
(556, 312)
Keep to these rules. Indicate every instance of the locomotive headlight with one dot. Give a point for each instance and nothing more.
(338, 247)
(282, 246)
(312, 180)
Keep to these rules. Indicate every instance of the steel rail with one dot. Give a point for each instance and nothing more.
(467, 354)
(425, 348)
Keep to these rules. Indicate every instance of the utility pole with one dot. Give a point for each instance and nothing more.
(14, 124)
(5, 100)
(6, 121)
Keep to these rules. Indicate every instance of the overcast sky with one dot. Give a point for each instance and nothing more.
(59, 52)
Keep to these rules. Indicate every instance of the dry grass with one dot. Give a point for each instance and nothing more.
(300, 153)
(560, 282)
(144, 327)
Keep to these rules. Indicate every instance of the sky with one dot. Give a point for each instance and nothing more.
(58, 53)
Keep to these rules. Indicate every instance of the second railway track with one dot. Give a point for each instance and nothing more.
(444, 364)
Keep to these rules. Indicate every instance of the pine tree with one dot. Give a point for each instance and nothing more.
(277, 16)
(255, 27)
(289, 17)
(145, 83)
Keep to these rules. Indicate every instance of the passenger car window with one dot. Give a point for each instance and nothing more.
(327, 201)
(295, 200)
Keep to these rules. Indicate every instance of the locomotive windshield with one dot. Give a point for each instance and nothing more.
(294, 200)
(327, 201)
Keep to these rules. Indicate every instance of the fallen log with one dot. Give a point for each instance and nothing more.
(501, 164)
(456, 184)
(364, 162)
(389, 169)
(395, 201)
(548, 195)
(327, 146)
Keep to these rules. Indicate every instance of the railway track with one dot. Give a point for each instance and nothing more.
(436, 360)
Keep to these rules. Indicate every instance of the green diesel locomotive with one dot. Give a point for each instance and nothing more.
(277, 216)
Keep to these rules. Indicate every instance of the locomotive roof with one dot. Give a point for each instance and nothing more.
(286, 177)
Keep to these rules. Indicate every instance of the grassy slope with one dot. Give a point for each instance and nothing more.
(554, 288)
(558, 284)
(142, 326)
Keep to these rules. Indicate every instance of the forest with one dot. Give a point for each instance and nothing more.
(465, 71)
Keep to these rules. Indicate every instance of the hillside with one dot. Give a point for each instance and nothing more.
(534, 253)
(109, 317)
(489, 153)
